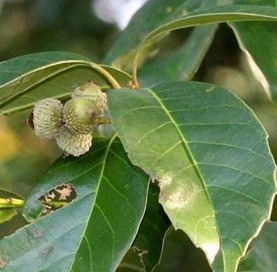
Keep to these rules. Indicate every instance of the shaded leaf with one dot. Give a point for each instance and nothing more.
(228, 13)
(263, 251)
(27, 79)
(94, 231)
(123, 50)
(183, 63)
(211, 158)
(180, 254)
(145, 252)
(258, 42)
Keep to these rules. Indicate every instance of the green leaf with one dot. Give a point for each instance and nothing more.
(123, 50)
(211, 158)
(228, 13)
(183, 63)
(27, 79)
(145, 252)
(180, 254)
(95, 230)
(6, 214)
(263, 251)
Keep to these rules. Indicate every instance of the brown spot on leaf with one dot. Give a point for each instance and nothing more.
(35, 233)
(47, 252)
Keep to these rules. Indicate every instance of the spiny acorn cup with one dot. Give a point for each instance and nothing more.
(73, 144)
(47, 118)
(80, 116)
(93, 93)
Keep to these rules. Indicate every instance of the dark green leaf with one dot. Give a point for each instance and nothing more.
(228, 13)
(211, 158)
(183, 63)
(27, 79)
(123, 50)
(263, 251)
(94, 231)
(145, 253)
(180, 254)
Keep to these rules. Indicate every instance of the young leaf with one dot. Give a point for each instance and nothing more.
(211, 158)
(95, 230)
(27, 79)
(206, 16)
(263, 251)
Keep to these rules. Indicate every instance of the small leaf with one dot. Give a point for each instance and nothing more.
(263, 251)
(96, 229)
(27, 79)
(211, 158)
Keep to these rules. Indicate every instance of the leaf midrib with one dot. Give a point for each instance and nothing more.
(191, 158)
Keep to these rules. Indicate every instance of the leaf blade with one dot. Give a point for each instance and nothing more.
(56, 241)
(50, 74)
(233, 167)
(206, 16)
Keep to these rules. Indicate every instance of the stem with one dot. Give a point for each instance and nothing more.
(134, 72)
(111, 79)
(11, 202)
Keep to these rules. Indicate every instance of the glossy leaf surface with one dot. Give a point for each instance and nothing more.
(27, 79)
(211, 158)
(94, 231)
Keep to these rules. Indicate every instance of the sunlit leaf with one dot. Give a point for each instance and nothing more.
(211, 158)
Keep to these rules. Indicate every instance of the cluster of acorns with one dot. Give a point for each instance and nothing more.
(73, 123)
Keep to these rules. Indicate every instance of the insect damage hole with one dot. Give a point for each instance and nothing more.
(57, 198)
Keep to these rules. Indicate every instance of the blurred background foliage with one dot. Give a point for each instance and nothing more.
(29, 26)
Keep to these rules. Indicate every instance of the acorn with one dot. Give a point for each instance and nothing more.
(80, 116)
(93, 93)
(73, 144)
(47, 118)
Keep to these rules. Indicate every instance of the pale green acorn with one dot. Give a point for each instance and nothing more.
(47, 118)
(73, 144)
(92, 92)
(80, 116)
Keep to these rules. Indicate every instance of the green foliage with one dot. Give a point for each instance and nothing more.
(179, 154)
